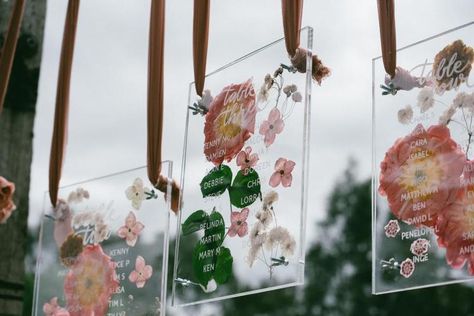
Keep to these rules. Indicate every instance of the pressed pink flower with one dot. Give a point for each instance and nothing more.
(90, 283)
(420, 246)
(272, 126)
(407, 267)
(52, 308)
(282, 174)
(392, 228)
(229, 122)
(239, 224)
(131, 229)
(455, 225)
(420, 173)
(6, 199)
(246, 160)
(142, 272)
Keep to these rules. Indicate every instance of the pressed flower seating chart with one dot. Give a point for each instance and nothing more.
(104, 248)
(241, 223)
(423, 171)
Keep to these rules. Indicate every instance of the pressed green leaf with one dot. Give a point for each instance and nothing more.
(204, 262)
(194, 222)
(216, 181)
(245, 189)
(223, 266)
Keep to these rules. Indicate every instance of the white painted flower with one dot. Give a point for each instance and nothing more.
(297, 97)
(420, 246)
(137, 193)
(425, 99)
(405, 115)
(392, 228)
(211, 286)
(407, 267)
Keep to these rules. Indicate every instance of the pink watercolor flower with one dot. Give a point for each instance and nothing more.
(131, 229)
(90, 283)
(239, 224)
(142, 272)
(246, 160)
(420, 246)
(282, 174)
(272, 126)
(229, 122)
(407, 267)
(420, 173)
(6, 199)
(52, 308)
(392, 228)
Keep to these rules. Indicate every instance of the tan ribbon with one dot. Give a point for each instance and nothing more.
(388, 35)
(200, 42)
(155, 102)
(9, 48)
(62, 100)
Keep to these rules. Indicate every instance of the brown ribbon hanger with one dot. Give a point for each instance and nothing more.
(200, 42)
(155, 103)
(7, 54)
(58, 143)
(388, 35)
(292, 12)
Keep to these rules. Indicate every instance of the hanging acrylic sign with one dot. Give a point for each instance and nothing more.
(423, 174)
(103, 249)
(241, 224)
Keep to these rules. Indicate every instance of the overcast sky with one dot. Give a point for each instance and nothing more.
(107, 131)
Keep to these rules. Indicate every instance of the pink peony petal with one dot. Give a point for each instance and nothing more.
(234, 217)
(139, 263)
(289, 165)
(264, 127)
(131, 240)
(280, 164)
(232, 231)
(253, 160)
(138, 228)
(130, 220)
(278, 126)
(122, 232)
(147, 272)
(133, 277)
(286, 180)
(274, 115)
(269, 138)
(140, 284)
(243, 230)
(244, 214)
(275, 179)
(241, 158)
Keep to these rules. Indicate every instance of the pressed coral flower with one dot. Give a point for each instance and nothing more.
(142, 272)
(137, 192)
(131, 229)
(452, 65)
(90, 283)
(272, 126)
(392, 228)
(7, 206)
(239, 224)
(246, 160)
(229, 122)
(456, 224)
(282, 174)
(52, 308)
(419, 173)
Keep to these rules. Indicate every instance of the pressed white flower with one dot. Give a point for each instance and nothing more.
(78, 196)
(268, 81)
(278, 235)
(211, 286)
(252, 256)
(425, 99)
(288, 247)
(293, 88)
(405, 115)
(262, 95)
(464, 100)
(297, 97)
(206, 99)
(136, 193)
(264, 217)
(469, 102)
(287, 90)
(269, 198)
(446, 117)
(257, 235)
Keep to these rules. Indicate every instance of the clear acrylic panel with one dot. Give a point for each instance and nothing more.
(241, 229)
(423, 122)
(104, 249)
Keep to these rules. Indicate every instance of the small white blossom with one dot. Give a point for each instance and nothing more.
(425, 99)
(265, 217)
(297, 97)
(206, 99)
(405, 115)
(262, 95)
(446, 117)
(137, 193)
(269, 198)
(78, 196)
